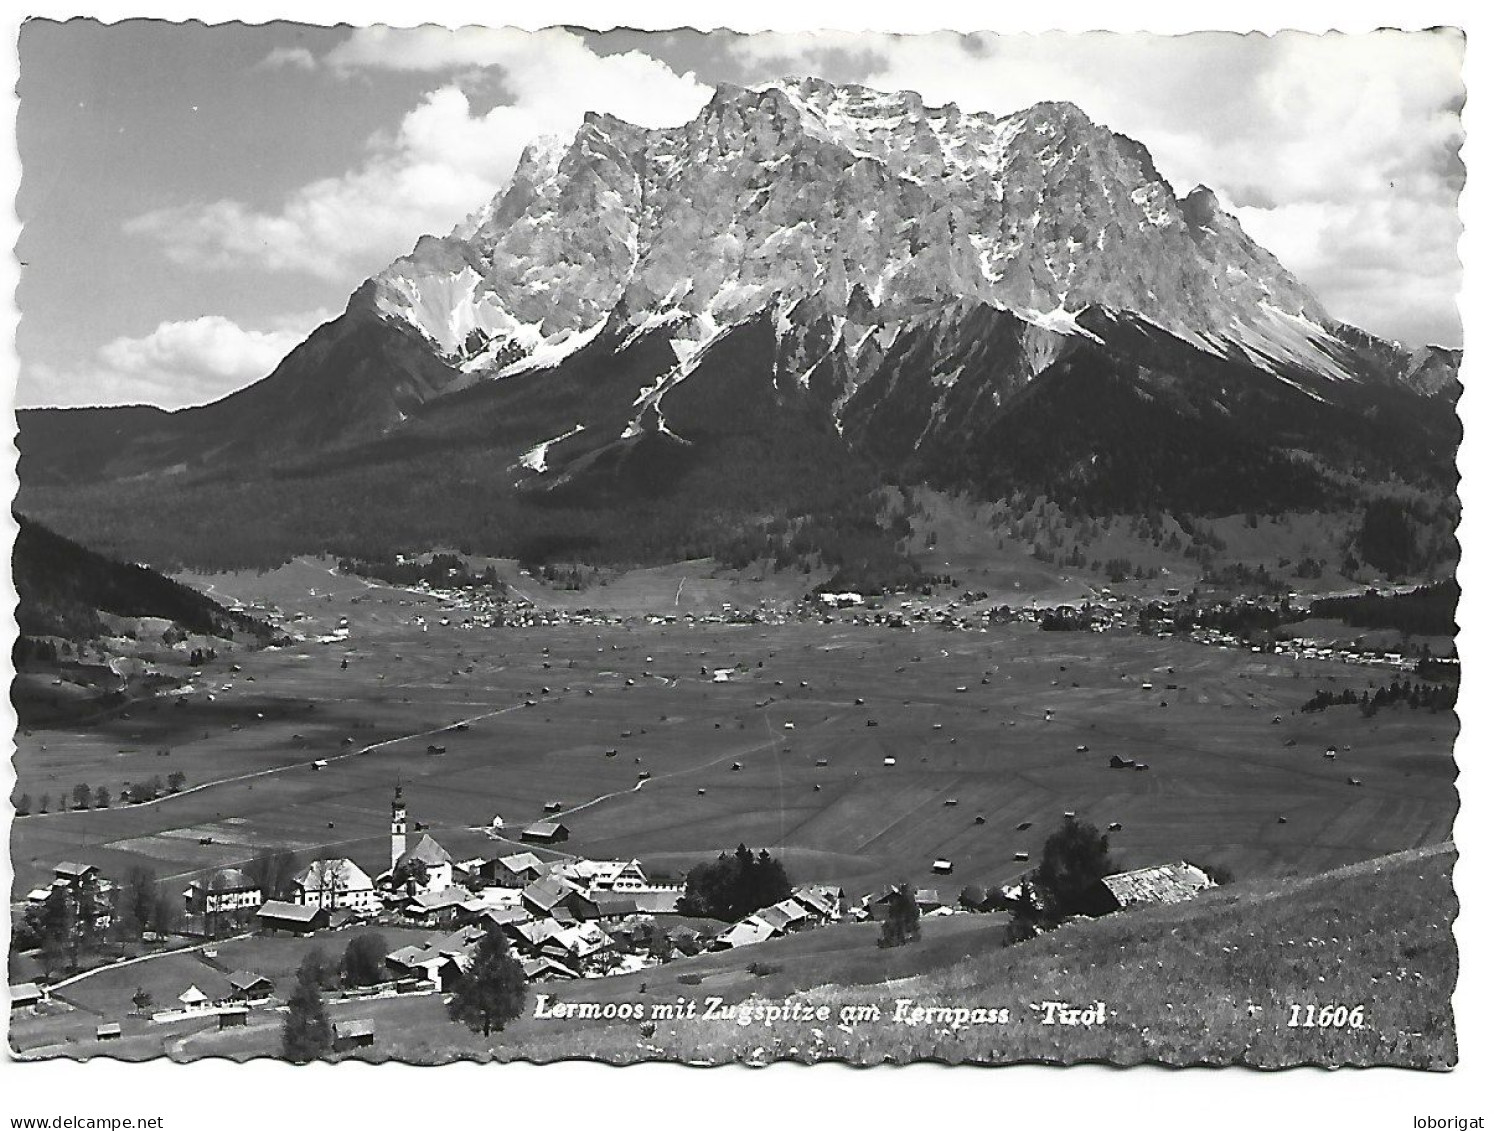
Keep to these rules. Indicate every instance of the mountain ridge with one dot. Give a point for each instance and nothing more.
(861, 288)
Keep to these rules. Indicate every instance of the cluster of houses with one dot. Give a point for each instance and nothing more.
(89, 891)
(564, 918)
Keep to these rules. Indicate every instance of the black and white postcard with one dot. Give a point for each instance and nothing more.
(732, 547)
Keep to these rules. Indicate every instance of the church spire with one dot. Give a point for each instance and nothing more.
(397, 826)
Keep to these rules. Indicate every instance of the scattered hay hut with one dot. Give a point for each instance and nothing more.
(352, 1034)
(545, 832)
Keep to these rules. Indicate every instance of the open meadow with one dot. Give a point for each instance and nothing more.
(996, 734)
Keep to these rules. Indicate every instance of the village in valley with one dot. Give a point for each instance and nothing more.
(579, 782)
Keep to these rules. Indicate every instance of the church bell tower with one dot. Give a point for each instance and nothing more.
(397, 827)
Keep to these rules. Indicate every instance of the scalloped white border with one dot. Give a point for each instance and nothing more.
(262, 1095)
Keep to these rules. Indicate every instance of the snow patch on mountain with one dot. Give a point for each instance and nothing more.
(536, 458)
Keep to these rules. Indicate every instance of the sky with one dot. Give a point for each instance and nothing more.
(195, 200)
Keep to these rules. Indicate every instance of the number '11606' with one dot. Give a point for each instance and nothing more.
(1326, 1017)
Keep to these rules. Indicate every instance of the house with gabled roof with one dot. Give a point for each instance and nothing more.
(543, 968)
(245, 985)
(748, 932)
(544, 896)
(438, 908)
(546, 832)
(516, 870)
(295, 918)
(1159, 883)
(604, 875)
(226, 891)
(335, 883)
(353, 1033)
(825, 902)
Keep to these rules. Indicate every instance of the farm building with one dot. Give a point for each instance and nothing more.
(354, 1034)
(546, 832)
(746, 933)
(70, 873)
(25, 995)
(824, 902)
(544, 968)
(336, 883)
(573, 945)
(928, 899)
(193, 999)
(249, 986)
(438, 907)
(297, 918)
(514, 871)
(108, 1031)
(612, 908)
(233, 1018)
(1160, 883)
(501, 918)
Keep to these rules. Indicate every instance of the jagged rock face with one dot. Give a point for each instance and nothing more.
(833, 270)
(877, 206)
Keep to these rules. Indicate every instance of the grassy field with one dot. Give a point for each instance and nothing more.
(990, 720)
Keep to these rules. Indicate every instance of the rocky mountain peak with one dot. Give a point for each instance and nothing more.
(867, 199)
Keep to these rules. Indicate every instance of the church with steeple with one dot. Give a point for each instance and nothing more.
(427, 867)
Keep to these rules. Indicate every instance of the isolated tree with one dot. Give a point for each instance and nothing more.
(901, 925)
(175, 780)
(163, 913)
(410, 874)
(142, 999)
(973, 897)
(44, 803)
(491, 992)
(57, 931)
(101, 798)
(363, 960)
(1074, 859)
(81, 794)
(659, 946)
(1027, 918)
(307, 1031)
(23, 805)
(135, 908)
(317, 969)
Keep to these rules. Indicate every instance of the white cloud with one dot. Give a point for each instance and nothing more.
(176, 364)
(298, 58)
(443, 161)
